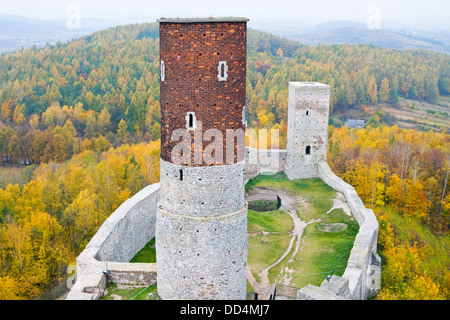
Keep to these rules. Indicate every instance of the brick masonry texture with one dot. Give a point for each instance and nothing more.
(191, 53)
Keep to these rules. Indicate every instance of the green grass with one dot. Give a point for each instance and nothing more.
(320, 195)
(270, 221)
(325, 252)
(147, 254)
(278, 223)
(261, 255)
(320, 252)
(131, 292)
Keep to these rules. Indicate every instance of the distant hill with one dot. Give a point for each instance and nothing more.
(17, 32)
(341, 32)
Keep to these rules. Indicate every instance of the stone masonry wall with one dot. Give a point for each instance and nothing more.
(202, 257)
(307, 134)
(201, 232)
(119, 238)
(263, 161)
(202, 191)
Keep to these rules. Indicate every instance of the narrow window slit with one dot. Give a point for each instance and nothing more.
(222, 70)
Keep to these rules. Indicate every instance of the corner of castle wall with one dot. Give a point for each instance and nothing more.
(258, 161)
(364, 265)
(311, 292)
(138, 212)
(338, 286)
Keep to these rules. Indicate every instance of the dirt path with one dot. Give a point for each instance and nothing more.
(339, 202)
(263, 287)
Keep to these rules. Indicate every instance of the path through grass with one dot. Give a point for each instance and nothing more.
(321, 252)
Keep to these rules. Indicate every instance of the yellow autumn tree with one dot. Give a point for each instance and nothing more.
(408, 197)
(384, 90)
(372, 90)
(368, 180)
(9, 288)
(81, 219)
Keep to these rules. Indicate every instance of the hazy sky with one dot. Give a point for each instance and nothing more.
(312, 11)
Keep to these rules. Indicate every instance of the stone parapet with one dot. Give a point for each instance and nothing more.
(362, 275)
(263, 161)
(123, 234)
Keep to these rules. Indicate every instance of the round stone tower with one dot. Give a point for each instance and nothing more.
(201, 228)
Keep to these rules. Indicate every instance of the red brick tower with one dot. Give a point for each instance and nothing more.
(203, 77)
(201, 229)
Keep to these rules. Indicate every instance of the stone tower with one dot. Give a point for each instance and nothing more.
(201, 228)
(307, 133)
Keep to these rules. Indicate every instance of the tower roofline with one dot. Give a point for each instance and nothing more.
(308, 84)
(202, 20)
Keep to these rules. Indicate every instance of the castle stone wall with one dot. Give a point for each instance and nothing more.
(133, 224)
(201, 232)
(360, 280)
(201, 225)
(263, 161)
(119, 238)
(200, 218)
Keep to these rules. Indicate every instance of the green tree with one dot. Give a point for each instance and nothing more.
(122, 132)
(384, 90)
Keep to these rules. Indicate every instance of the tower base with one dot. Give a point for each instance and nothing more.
(202, 258)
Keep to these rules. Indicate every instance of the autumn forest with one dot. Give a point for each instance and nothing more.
(80, 129)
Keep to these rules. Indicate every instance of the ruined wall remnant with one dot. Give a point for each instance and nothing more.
(307, 137)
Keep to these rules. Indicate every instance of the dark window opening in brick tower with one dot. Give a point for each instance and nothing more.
(308, 150)
(191, 120)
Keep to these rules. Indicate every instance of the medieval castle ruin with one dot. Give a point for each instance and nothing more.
(197, 213)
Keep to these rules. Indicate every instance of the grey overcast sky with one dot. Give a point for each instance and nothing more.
(272, 11)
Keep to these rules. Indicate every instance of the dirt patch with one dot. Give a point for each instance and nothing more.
(339, 202)
(332, 227)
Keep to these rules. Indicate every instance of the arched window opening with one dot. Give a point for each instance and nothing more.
(190, 121)
(222, 71)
